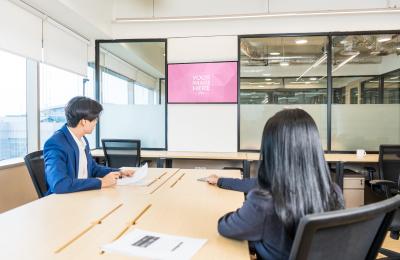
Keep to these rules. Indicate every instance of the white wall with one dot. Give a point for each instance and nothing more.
(202, 127)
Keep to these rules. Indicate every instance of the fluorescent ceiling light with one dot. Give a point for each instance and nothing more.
(316, 64)
(313, 79)
(301, 41)
(384, 38)
(345, 61)
(274, 53)
(256, 15)
(395, 77)
(284, 63)
(268, 79)
(398, 48)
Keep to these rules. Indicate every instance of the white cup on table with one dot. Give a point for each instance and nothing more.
(360, 153)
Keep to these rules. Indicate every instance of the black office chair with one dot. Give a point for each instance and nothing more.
(388, 186)
(355, 233)
(121, 152)
(35, 164)
(389, 170)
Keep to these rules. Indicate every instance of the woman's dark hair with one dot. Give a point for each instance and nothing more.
(293, 168)
(82, 108)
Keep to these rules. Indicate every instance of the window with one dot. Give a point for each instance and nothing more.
(281, 72)
(56, 89)
(13, 140)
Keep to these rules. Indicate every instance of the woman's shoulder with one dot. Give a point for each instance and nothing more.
(260, 198)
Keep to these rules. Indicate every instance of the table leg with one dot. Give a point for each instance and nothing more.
(246, 169)
(168, 163)
(160, 163)
(340, 174)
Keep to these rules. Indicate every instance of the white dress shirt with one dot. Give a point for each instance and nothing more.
(82, 172)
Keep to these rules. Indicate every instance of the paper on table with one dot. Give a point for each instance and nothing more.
(139, 175)
(155, 245)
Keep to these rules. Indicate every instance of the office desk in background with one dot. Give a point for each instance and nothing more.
(246, 157)
(339, 158)
(168, 156)
(180, 205)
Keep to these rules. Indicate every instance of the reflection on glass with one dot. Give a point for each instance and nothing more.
(13, 141)
(130, 85)
(56, 89)
(280, 72)
(365, 68)
(391, 94)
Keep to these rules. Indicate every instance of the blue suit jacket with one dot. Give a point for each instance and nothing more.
(61, 159)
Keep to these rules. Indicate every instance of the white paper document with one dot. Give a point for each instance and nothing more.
(155, 245)
(137, 177)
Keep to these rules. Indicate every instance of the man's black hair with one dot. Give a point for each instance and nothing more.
(82, 108)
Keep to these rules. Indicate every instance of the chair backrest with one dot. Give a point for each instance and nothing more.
(121, 152)
(35, 164)
(355, 233)
(389, 163)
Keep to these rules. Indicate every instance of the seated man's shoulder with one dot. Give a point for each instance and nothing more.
(58, 138)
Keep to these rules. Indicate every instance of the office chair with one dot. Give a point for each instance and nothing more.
(389, 186)
(389, 170)
(121, 152)
(355, 233)
(35, 164)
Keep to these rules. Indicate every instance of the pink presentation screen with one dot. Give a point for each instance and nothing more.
(202, 82)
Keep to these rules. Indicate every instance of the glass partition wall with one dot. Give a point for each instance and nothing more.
(359, 72)
(278, 73)
(131, 91)
(366, 69)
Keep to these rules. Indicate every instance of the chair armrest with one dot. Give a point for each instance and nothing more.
(383, 183)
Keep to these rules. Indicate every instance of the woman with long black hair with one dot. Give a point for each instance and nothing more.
(293, 181)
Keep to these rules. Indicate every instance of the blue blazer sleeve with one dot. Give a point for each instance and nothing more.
(246, 223)
(243, 185)
(57, 175)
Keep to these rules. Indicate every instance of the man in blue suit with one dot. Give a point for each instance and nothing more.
(69, 166)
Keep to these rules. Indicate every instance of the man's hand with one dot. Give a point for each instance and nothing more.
(212, 179)
(126, 172)
(109, 180)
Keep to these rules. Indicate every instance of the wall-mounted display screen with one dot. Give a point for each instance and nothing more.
(208, 82)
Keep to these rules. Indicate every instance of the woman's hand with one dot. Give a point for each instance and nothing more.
(212, 179)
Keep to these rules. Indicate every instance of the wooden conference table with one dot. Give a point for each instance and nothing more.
(174, 202)
(246, 158)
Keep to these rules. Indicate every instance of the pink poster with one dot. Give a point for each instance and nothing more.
(213, 82)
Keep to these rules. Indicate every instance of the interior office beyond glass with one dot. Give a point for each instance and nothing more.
(278, 73)
(287, 72)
